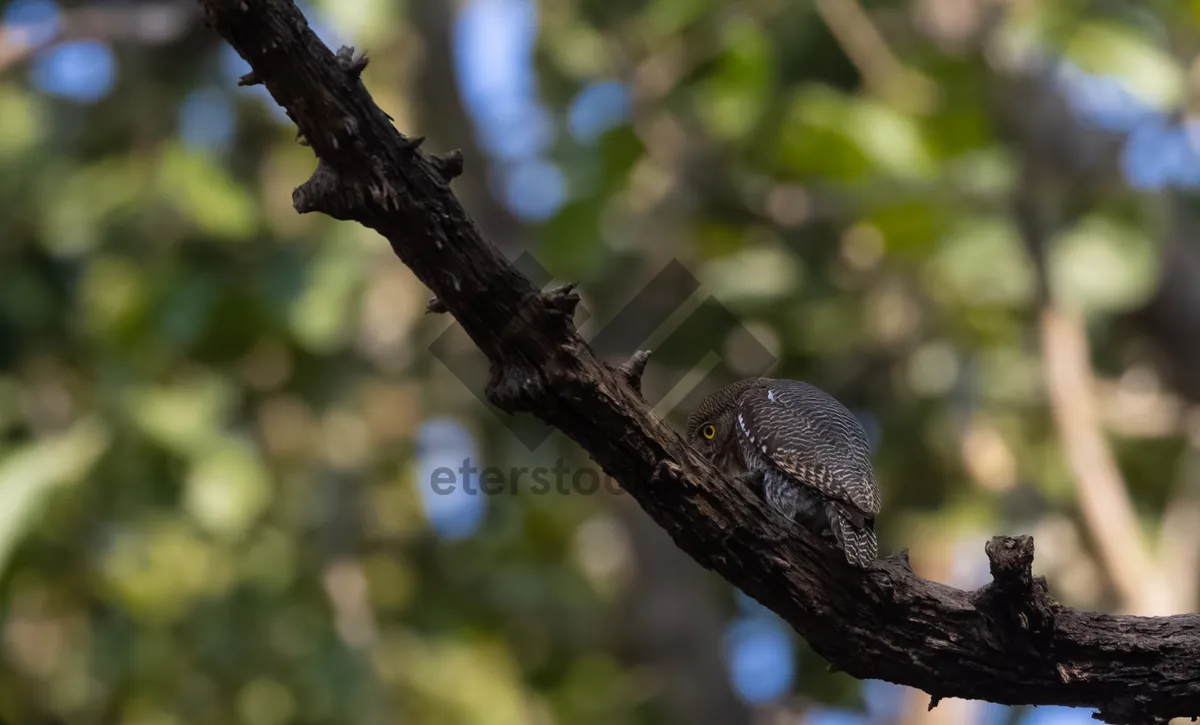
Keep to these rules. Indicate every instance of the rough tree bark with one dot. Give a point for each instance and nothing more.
(1008, 642)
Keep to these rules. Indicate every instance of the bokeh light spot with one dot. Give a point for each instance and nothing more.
(83, 71)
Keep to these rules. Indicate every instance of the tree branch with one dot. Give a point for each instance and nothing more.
(1008, 642)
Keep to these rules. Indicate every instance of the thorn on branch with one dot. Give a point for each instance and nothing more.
(934, 701)
(412, 143)
(353, 64)
(448, 166)
(436, 306)
(250, 79)
(631, 370)
(563, 298)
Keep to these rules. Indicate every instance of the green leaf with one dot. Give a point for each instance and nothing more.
(983, 262)
(207, 194)
(732, 99)
(755, 274)
(1101, 266)
(570, 245)
(890, 139)
(30, 474)
(22, 124)
(910, 228)
(227, 489)
(185, 418)
(320, 316)
(113, 295)
(847, 138)
(1103, 48)
(813, 140)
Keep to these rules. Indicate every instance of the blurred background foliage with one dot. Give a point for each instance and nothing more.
(971, 220)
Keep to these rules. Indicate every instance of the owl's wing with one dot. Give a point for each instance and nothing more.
(811, 437)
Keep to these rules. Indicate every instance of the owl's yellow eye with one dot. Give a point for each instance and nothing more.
(709, 432)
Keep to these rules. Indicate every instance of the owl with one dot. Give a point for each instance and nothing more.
(806, 451)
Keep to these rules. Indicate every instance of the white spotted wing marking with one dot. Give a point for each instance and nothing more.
(745, 430)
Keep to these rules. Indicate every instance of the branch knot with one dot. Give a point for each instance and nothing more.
(326, 192)
(353, 64)
(1015, 597)
(515, 388)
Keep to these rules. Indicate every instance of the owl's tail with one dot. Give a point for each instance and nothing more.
(855, 538)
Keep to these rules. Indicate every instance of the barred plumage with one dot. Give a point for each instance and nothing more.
(810, 452)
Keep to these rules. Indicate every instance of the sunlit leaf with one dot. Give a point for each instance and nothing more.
(91, 199)
(22, 122)
(667, 17)
(984, 263)
(32, 471)
(113, 293)
(843, 137)
(227, 489)
(732, 98)
(159, 569)
(814, 141)
(1117, 50)
(320, 316)
(1100, 266)
(890, 138)
(207, 194)
(757, 273)
(186, 417)
(910, 228)
(367, 21)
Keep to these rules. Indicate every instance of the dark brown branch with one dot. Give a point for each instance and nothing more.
(1008, 642)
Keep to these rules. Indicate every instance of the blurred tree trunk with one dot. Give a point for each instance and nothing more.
(1172, 315)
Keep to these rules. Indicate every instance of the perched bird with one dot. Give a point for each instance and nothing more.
(810, 455)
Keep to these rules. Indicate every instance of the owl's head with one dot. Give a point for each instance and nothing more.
(710, 427)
